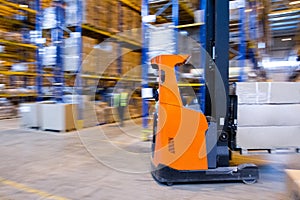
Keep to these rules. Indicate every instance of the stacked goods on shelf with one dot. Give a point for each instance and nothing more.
(131, 19)
(15, 57)
(99, 109)
(88, 56)
(46, 3)
(136, 2)
(110, 16)
(102, 14)
(131, 64)
(4, 80)
(103, 59)
(135, 107)
(108, 114)
(7, 110)
(131, 24)
(193, 3)
(106, 15)
(89, 115)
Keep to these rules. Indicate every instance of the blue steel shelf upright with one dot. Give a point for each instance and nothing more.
(145, 48)
(242, 43)
(57, 36)
(39, 66)
(79, 85)
(203, 42)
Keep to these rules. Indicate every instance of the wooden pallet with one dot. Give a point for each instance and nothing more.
(59, 131)
(289, 150)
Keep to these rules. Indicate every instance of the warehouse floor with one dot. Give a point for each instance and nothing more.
(83, 165)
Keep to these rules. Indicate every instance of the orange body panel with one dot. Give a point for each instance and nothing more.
(180, 140)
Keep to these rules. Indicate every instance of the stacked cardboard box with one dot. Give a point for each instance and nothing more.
(136, 2)
(4, 80)
(7, 110)
(135, 107)
(46, 3)
(131, 64)
(88, 55)
(89, 115)
(106, 58)
(107, 15)
(268, 115)
(102, 14)
(99, 109)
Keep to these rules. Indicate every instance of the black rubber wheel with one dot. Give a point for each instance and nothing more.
(249, 181)
(169, 183)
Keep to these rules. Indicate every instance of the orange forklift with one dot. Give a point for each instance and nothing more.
(194, 145)
(187, 146)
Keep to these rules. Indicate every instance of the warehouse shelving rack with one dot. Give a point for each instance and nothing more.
(58, 76)
(14, 8)
(39, 74)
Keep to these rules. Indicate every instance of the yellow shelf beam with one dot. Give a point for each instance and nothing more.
(18, 6)
(17, 95)
(111, 35)
(14, 21)
(189, 25)
(131, 5)
(17, 44)
(88, 76)
(13, 56)
(12, 73)
(99, 77)
(9, 73)
(190, 84)
(6, 55)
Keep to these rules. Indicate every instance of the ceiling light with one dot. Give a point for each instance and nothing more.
(294, 2)
(286, 39)
(23, 6)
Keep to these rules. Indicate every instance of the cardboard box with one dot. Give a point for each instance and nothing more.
(269, 115)
(58, 117)
(268, 137)
(268, 92)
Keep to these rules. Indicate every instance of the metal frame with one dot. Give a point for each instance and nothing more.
(79, 85)
(120, 27)
(242, 44)
(57, 36)
(39, 66)
(145, 44)
(203, 42)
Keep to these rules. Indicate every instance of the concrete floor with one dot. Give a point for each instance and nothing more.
(105, 163)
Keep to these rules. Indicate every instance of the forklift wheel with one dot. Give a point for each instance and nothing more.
(169, 183)
(249, 181)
